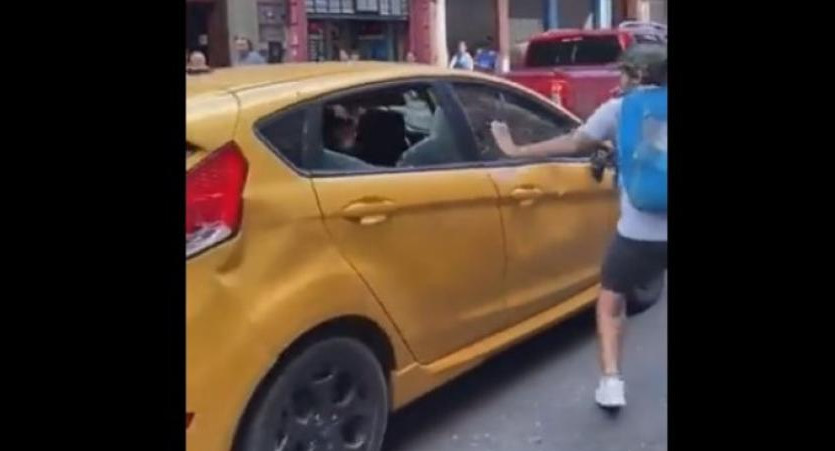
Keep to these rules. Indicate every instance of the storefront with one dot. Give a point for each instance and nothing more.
(375, 29)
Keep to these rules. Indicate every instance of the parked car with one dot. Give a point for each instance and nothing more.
(578, 68)
(645, 28)
(338, 269)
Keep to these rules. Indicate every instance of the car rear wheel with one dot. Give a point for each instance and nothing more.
(646, 296)
(331, 396)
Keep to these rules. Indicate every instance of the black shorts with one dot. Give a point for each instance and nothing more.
(630, 264)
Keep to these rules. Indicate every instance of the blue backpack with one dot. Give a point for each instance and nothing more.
(642, 148)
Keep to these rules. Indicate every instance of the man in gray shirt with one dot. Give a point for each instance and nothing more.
(638, 252)
(246, 53)
(462, 59)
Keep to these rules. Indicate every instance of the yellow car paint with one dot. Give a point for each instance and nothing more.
(476, 270)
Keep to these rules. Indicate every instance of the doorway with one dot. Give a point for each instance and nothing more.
(197, 27)
(206, 30)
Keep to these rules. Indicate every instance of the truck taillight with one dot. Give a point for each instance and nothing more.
(214, 190)
(624, 40)
(558, 89)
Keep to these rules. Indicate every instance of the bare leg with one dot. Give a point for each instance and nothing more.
(609, 328)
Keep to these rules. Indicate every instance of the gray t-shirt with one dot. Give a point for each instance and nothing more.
(462, 61)
(252, 58)
(633, 223)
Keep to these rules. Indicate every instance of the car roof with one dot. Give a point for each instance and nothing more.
(637, 24)
(247, 77)
(216, 94)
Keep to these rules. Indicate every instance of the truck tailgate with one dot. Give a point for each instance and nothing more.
(588, 88)
(537, 80)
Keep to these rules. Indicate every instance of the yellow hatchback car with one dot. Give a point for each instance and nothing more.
(354, 239)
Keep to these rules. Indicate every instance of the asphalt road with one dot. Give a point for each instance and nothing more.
(539, 396)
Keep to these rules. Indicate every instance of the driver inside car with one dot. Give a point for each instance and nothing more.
(340, 140)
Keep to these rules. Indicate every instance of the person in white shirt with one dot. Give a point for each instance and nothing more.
(462, 59)
(639, 249)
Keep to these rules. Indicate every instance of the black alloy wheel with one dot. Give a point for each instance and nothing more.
(333, 396)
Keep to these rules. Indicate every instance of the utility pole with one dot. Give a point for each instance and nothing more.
(503, 25)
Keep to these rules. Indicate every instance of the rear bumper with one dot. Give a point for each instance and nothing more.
(224, 362)
(218, 390)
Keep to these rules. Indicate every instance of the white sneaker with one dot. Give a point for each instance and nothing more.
(610, 392)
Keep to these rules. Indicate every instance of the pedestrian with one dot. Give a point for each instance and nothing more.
(486, 56)
(197, 63)
(462, 58)
(340, 126)
(638, 252)
(410, 57)
(247, 55)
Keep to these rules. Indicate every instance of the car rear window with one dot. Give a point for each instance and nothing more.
(648, 38)
(574, 51)
(286, 134)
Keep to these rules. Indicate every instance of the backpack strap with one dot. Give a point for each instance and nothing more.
(636, 105)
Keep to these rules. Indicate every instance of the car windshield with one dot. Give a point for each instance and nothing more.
(574, 51)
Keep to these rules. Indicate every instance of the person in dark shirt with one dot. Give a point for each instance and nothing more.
(486, 56)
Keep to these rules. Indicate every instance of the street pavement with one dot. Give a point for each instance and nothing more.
(539, 396)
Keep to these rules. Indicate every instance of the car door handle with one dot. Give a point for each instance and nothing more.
(368, 213)
(526, 196)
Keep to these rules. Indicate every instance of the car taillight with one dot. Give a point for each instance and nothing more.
(624, 41)
(214, 190)
(558, 89)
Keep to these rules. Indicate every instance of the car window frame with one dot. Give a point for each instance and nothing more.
(313, 141)
(444, 101)
(277, 116)
(443, 87)
(537, 99)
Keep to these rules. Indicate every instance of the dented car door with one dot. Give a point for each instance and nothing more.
(557, 217)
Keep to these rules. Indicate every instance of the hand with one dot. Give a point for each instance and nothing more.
(607, 146)
(503, 139)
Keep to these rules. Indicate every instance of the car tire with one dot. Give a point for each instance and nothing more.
(331, 395)
(643, 298)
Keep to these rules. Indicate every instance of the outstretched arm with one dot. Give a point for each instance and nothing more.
(576, 142)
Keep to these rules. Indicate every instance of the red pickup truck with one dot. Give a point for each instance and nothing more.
(578, 68)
